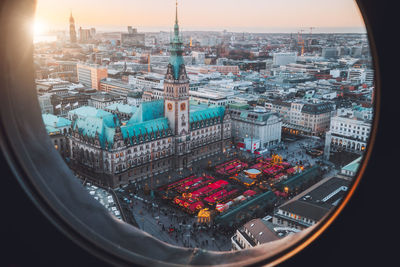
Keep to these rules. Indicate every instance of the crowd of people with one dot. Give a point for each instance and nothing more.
(174, 226)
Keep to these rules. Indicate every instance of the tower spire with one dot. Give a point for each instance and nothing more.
(176, 59)
(176, 13)
(71, 18)
(72, 33)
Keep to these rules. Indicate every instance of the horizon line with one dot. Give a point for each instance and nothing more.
(156, 29)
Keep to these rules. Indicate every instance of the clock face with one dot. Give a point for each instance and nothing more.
(183, 106)
(169, 106)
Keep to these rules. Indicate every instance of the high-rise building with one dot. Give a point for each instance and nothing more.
(92, 32)
(91, 74)
(84, 35)
(330, 52)
(72, 32)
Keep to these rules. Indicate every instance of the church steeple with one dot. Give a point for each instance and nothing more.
(176, 13)
(71, 18)
(72, 32)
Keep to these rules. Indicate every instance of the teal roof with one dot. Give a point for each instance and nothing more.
(87, 111)
(92, 120)
(238, 106)
(199, 112)
(128, 109)
(360, 108)
(89, 126)
(52, 130)
(148, 111)
(53, 121)
(148, 118)
(352, 166)
(147, 127)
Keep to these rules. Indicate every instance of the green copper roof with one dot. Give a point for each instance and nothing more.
(148, 111)
(89, 126)
(176, 50)
(128, 109)
(238, 106)
(87, 111)
(146, 127)
(353, 166)
(55, 121)
(199, 112)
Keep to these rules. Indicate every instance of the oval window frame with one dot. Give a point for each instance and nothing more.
(29, 153)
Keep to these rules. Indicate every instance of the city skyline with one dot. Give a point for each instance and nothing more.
(220, 141)
(150, 16)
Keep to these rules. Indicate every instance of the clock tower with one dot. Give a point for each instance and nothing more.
(176, 98)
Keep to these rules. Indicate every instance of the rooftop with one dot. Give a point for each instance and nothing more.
(95, 126)
(88, 111)
(53, 121)
(353, 166)
(261, 231)
(318, 202)
(199, 112)
(148, 111)
(101, 96)
(116, 82)
(305, 209)
(128, 109)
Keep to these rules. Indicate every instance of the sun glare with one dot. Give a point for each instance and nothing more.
(38, 27)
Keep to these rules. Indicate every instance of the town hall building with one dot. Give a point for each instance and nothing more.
(168, 134)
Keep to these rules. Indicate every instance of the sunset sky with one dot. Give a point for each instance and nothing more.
(233, 15)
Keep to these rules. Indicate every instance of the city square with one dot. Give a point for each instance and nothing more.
(173, 222)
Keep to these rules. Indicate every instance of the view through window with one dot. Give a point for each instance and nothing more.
(221, 125)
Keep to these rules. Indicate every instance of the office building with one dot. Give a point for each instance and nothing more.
(349, 131)
(257, 123)
(91, 74)
(115, 87)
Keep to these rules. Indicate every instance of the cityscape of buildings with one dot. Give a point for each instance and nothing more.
(218, 140)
